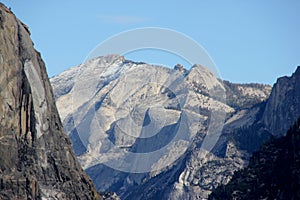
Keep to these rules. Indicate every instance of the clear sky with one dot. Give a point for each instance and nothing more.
(250, 41)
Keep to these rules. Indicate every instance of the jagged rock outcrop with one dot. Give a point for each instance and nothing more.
(180, 68)
(283, 106)
(109, 105)
(36, 157)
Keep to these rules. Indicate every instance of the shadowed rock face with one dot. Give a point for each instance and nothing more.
(36, 158)
(282, 108)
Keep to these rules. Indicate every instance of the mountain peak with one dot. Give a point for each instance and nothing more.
(297, 72)
(106, 59)
(203, 69)
(113, 57)
(141, 108)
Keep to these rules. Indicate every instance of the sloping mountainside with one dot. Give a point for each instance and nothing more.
(244, 96)
(114, 109)
(273, 172)
(36, 157)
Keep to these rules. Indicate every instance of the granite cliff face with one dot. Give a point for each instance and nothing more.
(112, 107)
(273, 170)
(36, 157)
(283, 106)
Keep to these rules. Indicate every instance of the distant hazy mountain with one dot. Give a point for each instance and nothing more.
(36, 157)
(112, 107)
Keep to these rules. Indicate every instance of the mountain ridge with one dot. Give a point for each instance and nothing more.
(196, 92)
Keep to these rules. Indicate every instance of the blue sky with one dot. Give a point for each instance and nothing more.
(250, 41)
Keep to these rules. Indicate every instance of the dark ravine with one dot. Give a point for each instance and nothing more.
(36, 157)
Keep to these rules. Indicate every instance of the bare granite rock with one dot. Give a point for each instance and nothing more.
(113, 107)
(36, 157)
(282, 108)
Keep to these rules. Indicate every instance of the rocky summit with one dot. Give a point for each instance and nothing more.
(152, 132)
(36, 157)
